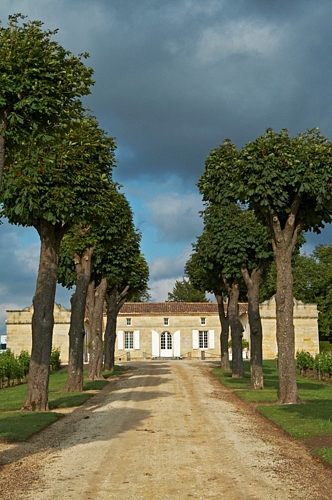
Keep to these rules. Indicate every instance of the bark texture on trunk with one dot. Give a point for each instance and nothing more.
(97, 295)
(3, 124)
(43, 316)
(114, 302)
(256, 333)
(110, 330)
(236, 328)
(76, 329)
(283, 243)
(224, 321)
(288, 392)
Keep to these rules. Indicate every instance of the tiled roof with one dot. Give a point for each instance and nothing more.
(171, 308)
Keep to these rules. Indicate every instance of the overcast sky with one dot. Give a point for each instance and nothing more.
(174, 78)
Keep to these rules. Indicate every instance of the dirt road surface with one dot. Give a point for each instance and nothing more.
(163, 430)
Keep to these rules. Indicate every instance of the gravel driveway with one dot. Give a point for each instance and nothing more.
(163, 430)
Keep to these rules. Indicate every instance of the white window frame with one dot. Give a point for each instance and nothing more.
(166, 321)
(203, 321)
(203, 339)
(128, 321)
(129, 340)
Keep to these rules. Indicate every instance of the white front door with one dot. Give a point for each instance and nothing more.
(166, 350)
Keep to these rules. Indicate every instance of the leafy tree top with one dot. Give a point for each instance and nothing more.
(63, 179)
(117, 249)
(237, 239)
(39, 79)
(185, 291)
(204, 270)
(104, 234)
(276, 175)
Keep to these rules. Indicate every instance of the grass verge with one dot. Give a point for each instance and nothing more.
(19, 426)
(312, 418)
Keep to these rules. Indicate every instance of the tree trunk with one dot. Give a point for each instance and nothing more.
(110, 330)
(43, 316)
(114, 304)
(96, 331)
(256, 332)
(224, 321)
(283, 243)
(3, 123)
(76, 330)
(236, 329)
(288, 392)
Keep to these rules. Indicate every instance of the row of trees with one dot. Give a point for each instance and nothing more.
(56, 167)
(259, 201)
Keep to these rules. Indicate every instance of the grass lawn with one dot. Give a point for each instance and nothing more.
(313, 418)
(19, 426)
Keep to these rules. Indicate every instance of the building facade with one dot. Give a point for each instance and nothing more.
(150, 330)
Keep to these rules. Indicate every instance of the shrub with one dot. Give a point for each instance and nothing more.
(325, 346)
(245, 344)
(323, 364)
(24, 362)
(9, 366)
(55, 361)
(304, 361)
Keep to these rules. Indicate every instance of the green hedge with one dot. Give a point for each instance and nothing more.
(321, 363)
(13, 369)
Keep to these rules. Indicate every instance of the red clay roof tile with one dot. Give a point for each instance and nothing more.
(172, 308)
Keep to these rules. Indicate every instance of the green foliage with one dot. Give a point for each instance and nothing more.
(55, 361)
(203, 269)
(321, 363)
(117, 248)
(325, 346)
(40, 82)
(185, 291)
(13, 367)
(24, 362)
(63, 179)
(304, 361)
(237, 238)
(245, 344)
(270, 173)
(140, 297)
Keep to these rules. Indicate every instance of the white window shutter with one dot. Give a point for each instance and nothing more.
(136, 339)
(155, 344)
(211, 339)
(120, 340)
(195, 339)
(177, 346)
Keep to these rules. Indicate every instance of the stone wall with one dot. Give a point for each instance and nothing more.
(19, 336)
(305, 324)
(149, 326)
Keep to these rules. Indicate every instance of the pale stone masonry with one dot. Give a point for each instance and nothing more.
(147, 330)
(18, 328)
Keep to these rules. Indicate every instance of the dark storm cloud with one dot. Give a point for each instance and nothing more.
(175, 80)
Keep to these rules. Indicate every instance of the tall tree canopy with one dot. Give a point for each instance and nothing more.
(287, 181)
(40, 82)
(242, 244)
(206, 273)
(52, 183)
(76, 265)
